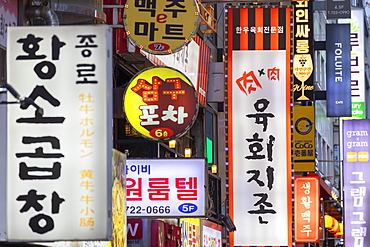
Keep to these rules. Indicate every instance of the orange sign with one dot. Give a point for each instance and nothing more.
(306, 207)
(161, 103)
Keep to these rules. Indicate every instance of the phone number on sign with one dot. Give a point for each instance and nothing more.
(148, 210)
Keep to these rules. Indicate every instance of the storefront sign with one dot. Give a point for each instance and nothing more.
(164, 234)
(307, 209)
(190, 232)
(60, 157)
(336, 9)
(303, 62)
(8, 18)
(160, 103)
(159, 27)
(338, 71)
(211, 234)
(356, 177)
(259, 125)
(304, 138)
(155, 187)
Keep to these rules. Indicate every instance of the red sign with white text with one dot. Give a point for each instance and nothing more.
(306, 204)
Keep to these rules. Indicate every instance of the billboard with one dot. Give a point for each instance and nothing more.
(307, 209)
(356, 174)
(338, 71)
(158, 27)
(165, 187)
(258, 98)
(160, 103)
(60, 138)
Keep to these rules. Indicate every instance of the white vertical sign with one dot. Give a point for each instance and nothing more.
(59, 158)
(259, 146)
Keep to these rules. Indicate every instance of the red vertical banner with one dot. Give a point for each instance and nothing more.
(307, 209)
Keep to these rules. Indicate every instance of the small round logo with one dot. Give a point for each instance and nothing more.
(303, 126)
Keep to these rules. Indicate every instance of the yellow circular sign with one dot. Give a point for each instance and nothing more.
(160, 103)
(159, 26)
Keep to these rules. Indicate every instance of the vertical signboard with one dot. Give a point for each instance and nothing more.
(303, 51)
(60, 148)
(119, 219)
(304, 138)
(190, 232)
(259, 124)
(338, 71)
(3, 137)
(306, 209)
(356, 180)
(357, 62)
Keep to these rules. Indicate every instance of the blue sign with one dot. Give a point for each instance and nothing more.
(338, 70)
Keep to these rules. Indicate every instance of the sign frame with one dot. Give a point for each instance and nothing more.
(144, 170)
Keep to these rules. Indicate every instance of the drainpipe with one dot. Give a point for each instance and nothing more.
(47, 14)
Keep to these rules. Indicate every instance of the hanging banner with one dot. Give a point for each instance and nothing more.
(306, 209)
(60, 148)
(356, 177)
(303, 87)
(259, 135)
(338, 71)
(159, 27)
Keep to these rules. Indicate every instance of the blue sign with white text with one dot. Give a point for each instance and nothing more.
(338, 70)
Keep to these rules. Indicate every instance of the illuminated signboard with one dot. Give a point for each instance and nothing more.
(8, 18)
(159, 27)
(60, 158)
(302, 62)
(165, 187)
(211, 234)
(357, 62)
(307, 210)
(356, 177)
(160, 103)
(338, 71)
(259, 137)
(190, 232)
(304, 138)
